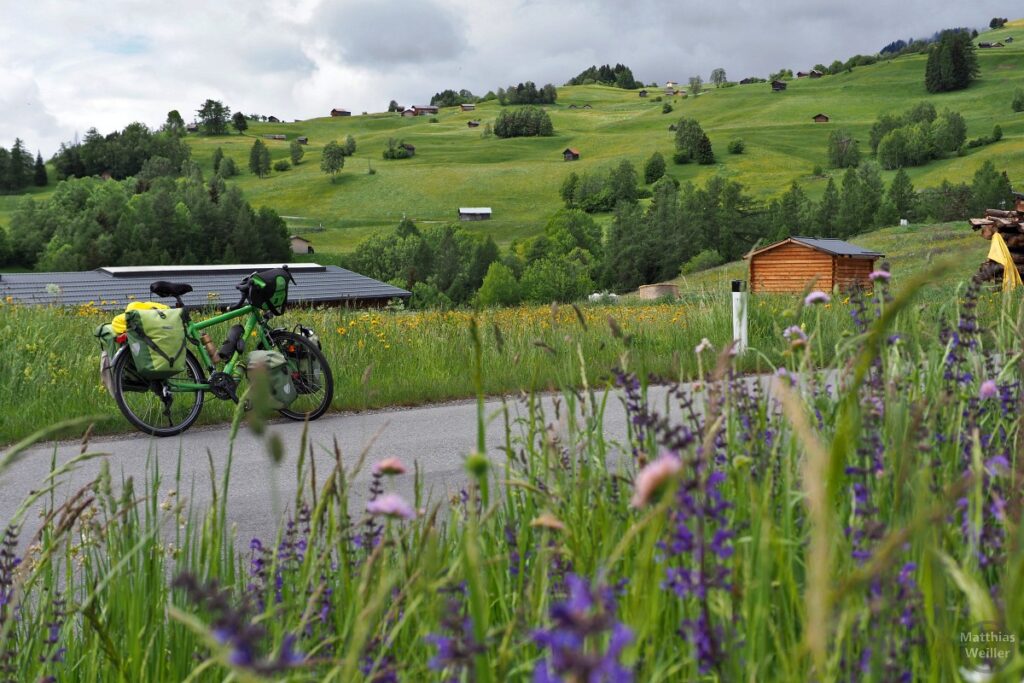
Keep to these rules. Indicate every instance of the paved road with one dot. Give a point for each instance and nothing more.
(435, 437)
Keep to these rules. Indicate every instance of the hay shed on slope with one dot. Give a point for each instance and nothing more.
(789, 266)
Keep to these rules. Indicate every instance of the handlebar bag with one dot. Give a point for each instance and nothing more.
(268, 289)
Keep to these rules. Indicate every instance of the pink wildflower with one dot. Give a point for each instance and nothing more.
(988, 389)
(653, 479)
(390, 505)
(390, 465)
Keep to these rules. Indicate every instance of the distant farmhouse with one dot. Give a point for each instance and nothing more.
(472, 124)
(408, 113)
(467, 106)
(570, 154)
(302, 140)
(815, 73)
(411, 149)
(275, 136)
(273, 119)
(192, 128)
(424, 109)
(642, 93)
(821, 118)
(988, 45)
(300, 245)
(478, 213)
(340, 112)
(778, 86)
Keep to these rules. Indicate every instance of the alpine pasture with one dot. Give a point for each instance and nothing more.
(519, 178)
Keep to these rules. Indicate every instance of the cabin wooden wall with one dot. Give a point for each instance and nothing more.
(790, 267)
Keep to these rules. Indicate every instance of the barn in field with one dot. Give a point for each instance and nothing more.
(340, 112)
(477, 213)
(789, 266)
(570, 154)
(467, 107)
(820, 118)
(778, 86)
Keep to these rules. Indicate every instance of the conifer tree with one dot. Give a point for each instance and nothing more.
(828, 209)
(39, 173)
(902, 195)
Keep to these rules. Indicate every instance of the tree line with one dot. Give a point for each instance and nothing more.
(17, 169)
(120, 154)
(164, 215)
(523, 122)
(619, 76)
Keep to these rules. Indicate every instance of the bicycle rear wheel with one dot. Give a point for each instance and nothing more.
(311, 375)
(151, 405)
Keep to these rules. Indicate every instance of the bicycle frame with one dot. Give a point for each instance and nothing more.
(253, 323)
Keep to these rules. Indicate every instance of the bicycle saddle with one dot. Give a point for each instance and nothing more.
(163, 288)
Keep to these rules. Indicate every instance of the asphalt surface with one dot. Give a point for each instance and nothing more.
(437, 438)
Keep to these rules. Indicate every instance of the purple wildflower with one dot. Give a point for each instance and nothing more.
(580, 619)
(816, 297)
(883, 275)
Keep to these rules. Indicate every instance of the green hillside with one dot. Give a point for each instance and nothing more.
(519, 178)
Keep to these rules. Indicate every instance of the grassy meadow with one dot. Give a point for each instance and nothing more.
(401, 358)
(854, 528)
(519, 178)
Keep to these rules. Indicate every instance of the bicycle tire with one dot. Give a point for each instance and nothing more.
(141, 406)
(295, 348)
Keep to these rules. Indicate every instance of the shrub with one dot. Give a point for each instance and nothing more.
(709, 258)
(282, 165)
(997, 133)
(434, 119)
(654, 168)
(1018, 100)
(228, 168)
(681, 157)
(500, 287)
(736, 146)
(666, 108)
(523, 122)
(817, 171)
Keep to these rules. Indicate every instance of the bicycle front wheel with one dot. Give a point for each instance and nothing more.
(311, 376)
(152, 406)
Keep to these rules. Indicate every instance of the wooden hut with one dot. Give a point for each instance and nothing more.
(791, 265)
(820, 118)
(570, 154)
(340, 112)
(778, 86)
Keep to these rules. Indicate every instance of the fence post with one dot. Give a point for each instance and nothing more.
(739, 315)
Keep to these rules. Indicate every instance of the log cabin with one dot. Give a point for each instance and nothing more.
(791, 265)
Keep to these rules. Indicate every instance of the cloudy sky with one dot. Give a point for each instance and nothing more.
(67, 65)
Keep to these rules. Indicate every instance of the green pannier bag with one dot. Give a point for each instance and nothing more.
(273, 366)
(108, 350)
(156, 339)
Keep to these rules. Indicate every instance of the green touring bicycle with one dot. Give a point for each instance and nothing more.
(160, 384)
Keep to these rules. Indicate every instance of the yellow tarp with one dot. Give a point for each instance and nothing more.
(1001, 255)
(119, 325)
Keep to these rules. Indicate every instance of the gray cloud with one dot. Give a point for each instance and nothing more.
(387, 33)
(69, 66)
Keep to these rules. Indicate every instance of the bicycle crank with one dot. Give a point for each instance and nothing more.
(223, 386)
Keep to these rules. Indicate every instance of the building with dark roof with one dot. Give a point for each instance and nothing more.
(792, 264)
(112, 288)
(820, 118)
(570, 154)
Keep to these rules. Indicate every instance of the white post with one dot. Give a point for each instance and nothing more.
(739, 315)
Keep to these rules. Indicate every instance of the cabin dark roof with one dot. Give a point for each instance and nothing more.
(829, 245)
(314, 284)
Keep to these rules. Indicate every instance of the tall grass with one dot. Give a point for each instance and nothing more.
(49, 359)
(850, 525)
